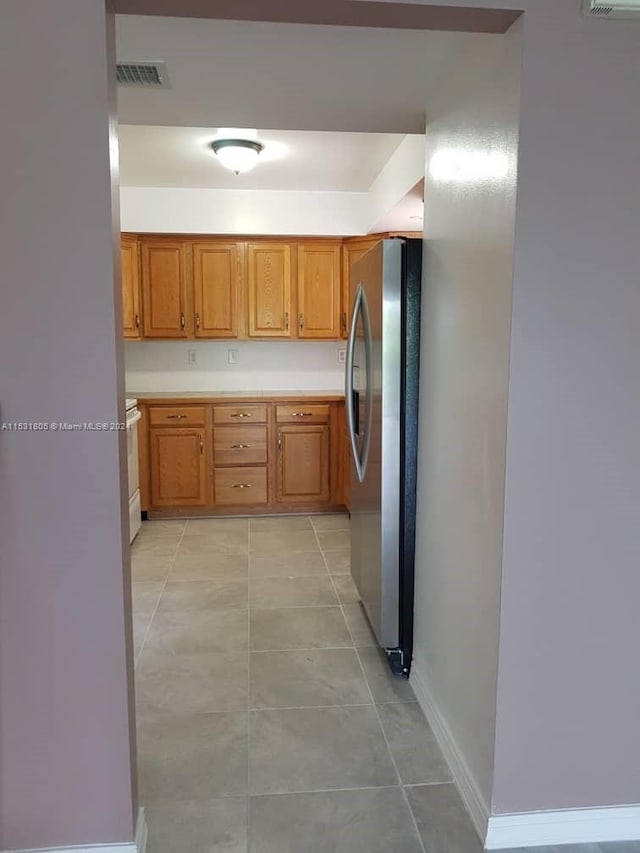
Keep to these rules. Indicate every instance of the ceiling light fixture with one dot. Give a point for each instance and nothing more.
(238, 155)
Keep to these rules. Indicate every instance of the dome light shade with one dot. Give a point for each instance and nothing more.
(238, 155)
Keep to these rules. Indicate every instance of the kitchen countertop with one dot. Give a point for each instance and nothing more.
(227, 396)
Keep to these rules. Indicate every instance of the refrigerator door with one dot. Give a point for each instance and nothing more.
(374, 373)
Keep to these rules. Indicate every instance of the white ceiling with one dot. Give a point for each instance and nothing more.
(291, 76)
(152, 156)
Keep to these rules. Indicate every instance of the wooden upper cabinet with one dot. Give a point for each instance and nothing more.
(352, 251)
(217, 276)
(319, 291)
(130, 269)
(269, 286)
(164, 288)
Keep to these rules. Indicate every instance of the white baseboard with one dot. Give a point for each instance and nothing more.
(565, 826)
(142, 832)
(474, 802)
(139, 845)
(530, 829)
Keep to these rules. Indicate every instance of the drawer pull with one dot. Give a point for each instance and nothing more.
(242, 485)
(241, 414)
(301, 414)
(175, 417)
(239, 446)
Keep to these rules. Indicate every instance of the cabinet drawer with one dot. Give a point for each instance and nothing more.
(236, 486)
(176, 416)
(242, 414)
(245, 445)
(302, 413)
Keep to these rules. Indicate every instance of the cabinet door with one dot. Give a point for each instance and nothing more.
(130, 268)
(303, 464)
(319, 290)
(217, 275)
(164, 288)
(178, 467)
(269, 282)
(345, 462)
(352, 251)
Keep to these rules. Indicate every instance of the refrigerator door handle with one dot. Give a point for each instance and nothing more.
(361, 456)
(368, 356)
(348, 392)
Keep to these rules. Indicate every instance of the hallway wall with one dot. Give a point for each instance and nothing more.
(568, 703)
(469, 223)
(568, 687)
(65, 753)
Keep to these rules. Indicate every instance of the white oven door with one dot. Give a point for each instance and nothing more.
(133, 416)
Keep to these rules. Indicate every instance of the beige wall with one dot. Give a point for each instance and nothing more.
(65, 756)
(469, 222)
(568, 732)
(568, 697)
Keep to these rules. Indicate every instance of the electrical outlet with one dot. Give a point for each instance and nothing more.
(342, 356)
(232, 356)
(192, 356)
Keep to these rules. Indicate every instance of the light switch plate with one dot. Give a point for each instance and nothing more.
(342, 355)
(192, 356)
(232, 356)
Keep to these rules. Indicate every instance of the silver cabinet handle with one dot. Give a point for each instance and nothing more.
(301, 414)
(182, 320)
(197, 320)
(201, 440)
(240, 414)
(279, 442)
(239, 446)
(175, 417)
(137, 321)
(242, 485)
(301, 320)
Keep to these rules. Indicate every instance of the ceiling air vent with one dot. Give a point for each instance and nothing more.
(618, 9)
(147, 75)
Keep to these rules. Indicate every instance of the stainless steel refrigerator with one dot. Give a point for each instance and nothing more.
(381, 393)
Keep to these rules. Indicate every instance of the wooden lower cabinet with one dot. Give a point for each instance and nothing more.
(303, 464)
(344, 459)
(223, 458)
(240, 486)
(178, 467)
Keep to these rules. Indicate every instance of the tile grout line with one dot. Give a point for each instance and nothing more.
(393, 758)
(164, 584)
(377, 713)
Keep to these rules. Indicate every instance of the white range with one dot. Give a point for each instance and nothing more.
(135, 519)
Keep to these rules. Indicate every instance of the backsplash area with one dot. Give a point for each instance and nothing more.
(260, 365)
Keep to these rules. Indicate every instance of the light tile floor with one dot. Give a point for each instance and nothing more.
(268, 721)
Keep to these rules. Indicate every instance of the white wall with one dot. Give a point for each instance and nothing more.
(262, 365)
(207, 211)
(469, 220)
